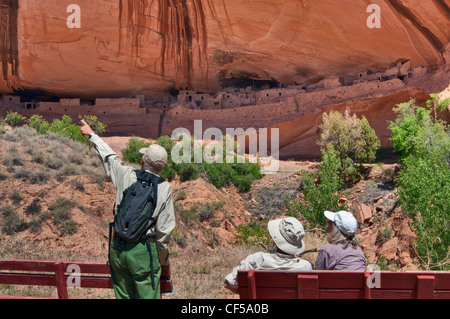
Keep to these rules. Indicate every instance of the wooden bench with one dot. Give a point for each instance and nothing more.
(61, 274)
(343, 285)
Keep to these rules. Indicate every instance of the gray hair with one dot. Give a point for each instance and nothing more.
(335, 236)
(154, 167)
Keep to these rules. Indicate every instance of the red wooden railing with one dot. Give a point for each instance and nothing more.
(57, 273)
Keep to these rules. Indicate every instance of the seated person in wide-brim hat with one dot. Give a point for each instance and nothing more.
(287, 234)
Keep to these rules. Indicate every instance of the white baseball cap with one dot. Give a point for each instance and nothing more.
(344, 221)
(154, 153)
(287, 233)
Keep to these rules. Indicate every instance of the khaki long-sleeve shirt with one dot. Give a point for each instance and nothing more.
(267, 261)
(123, 176)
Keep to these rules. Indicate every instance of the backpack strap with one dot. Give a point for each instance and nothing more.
(147, 177)
(142, 175)
(152, 271)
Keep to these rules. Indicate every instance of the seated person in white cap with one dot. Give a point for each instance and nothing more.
(287, 233)
(342, 251)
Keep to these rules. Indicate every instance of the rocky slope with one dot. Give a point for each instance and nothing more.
(125, 47)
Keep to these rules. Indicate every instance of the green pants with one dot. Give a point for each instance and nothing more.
(130, 270)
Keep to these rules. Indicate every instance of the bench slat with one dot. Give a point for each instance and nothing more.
(27, 279)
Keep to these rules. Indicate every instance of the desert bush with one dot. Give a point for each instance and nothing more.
(190, 215)
(53, 162)
(34, 208)
(23, 174)
(38, 123)
(423, 146)
(208, 210)
(240, 174)
(13, 159)
(181, 195)
(13, 118)
(320, 190)
(60, 210)
(39, 177)
(38, 157)
(24, 133)
(12, 222)
(16, 197)
(353, 140)
(79, 185)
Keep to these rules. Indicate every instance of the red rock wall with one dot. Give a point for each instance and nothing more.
(129, 46)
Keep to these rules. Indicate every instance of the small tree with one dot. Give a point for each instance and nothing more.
(320, 190)
(353, 140)
(423, 146)
(436, 104)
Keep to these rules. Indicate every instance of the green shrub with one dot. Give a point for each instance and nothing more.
(423, 146)
(220, 175)
(39, 124)
(13, 118)
(253, 233)
(131, 151)
(92, 120)
(65, 128)
(353, 140)
(320, 191)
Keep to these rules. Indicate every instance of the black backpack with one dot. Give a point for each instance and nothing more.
(135, 211)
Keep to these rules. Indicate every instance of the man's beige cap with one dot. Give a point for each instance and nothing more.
(154, 153)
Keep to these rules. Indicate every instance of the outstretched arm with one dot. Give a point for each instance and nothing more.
(85, 130)
(112, 163)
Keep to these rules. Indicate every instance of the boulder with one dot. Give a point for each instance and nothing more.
(363, 213)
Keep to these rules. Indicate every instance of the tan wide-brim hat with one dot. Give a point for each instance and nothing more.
(154, 153)
(288, 233)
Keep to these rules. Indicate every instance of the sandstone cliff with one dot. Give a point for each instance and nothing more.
(126, 47)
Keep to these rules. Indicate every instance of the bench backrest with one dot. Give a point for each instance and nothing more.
(60, 273)
(343, 285)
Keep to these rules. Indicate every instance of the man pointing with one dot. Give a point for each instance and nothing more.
(130, 262)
